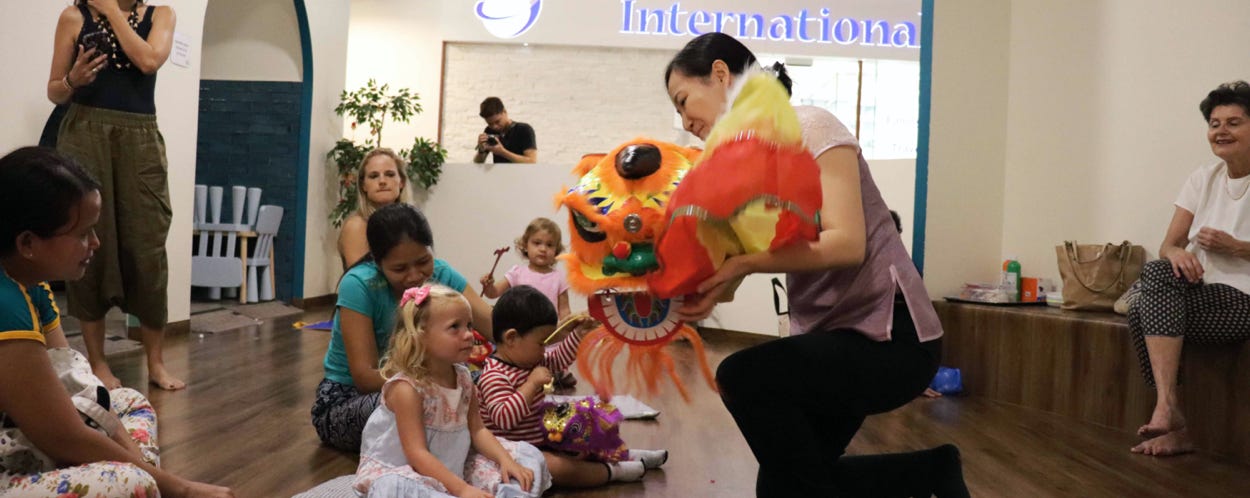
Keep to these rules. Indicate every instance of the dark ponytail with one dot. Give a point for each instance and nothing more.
(779, 70)
(696, 58)
(389, 226)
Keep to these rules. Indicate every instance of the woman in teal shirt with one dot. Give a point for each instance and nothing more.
(401, 256)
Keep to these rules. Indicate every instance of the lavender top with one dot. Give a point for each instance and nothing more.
(862, 297)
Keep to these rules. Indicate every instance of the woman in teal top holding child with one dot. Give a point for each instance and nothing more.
(51, 208)
(401, 257)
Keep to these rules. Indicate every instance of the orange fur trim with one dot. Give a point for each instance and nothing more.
(561, 196)
(587, 163)
(673, 158)
(644, 365)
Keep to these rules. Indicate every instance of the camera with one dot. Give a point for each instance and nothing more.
(492, 140)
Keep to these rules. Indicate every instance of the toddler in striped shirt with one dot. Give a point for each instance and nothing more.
(512, 388)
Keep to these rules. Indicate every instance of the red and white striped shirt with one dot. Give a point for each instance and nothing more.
(504, 408)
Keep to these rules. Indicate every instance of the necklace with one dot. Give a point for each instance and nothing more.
(117, 56)
(1235, 197)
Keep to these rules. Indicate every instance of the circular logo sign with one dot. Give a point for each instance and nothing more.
(508, 18)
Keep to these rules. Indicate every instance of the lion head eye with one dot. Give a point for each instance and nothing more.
(588, 230)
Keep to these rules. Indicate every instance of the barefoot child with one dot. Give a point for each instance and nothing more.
(426, 437)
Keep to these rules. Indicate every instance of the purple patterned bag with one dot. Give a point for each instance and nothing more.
(588, 427)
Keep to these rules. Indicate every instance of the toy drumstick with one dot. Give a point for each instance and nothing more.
(499, 253)
(569, 323)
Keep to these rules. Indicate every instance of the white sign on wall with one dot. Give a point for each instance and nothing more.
(180, 53)
(877, 29)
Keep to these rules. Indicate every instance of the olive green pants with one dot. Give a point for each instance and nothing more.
(126, 153)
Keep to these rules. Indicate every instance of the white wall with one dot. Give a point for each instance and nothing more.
(967, 144)
(178, 112)
(398, 42)
(328, 27)
(577, 102)
(252, 40)
(26, 51)
(1103, 116)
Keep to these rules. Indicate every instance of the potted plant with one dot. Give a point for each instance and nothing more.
(372, 105)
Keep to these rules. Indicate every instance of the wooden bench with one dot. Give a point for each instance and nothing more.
(1082, 365)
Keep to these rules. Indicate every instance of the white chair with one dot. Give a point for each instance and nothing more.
(217, 267)
(261, 262)
(224, 265)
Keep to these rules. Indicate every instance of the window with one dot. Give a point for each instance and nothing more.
(891, 98)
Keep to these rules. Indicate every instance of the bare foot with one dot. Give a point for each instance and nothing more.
(930, 393)
(159, 377)
(102, 371)
(1164, 420)
(1172, 443)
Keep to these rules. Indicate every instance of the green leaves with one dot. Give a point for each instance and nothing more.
(372, 105)
(425, 162)
(346, 155)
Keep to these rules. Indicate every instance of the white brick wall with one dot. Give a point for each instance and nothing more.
(579, 100)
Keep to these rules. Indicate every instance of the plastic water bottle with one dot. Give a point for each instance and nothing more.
(1012, 279)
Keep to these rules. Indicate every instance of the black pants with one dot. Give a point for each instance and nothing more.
(799, 400)
(340, 412)
(1200, 313)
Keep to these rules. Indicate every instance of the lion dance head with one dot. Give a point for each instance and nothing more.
(617, 214)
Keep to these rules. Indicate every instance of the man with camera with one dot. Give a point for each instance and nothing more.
(509, 141)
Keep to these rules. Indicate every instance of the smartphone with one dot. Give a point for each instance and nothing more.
(98, 40)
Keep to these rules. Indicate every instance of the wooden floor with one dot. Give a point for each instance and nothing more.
(244, 423)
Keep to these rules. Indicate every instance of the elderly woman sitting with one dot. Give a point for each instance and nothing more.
(1199, 291)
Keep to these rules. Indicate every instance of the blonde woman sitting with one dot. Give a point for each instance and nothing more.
(382, 181)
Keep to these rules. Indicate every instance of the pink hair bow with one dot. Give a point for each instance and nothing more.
(415, 295)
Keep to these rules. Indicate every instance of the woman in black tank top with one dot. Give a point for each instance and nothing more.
(104, 65)
(124, 43)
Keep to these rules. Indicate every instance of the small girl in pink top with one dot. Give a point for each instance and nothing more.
(539, 245)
